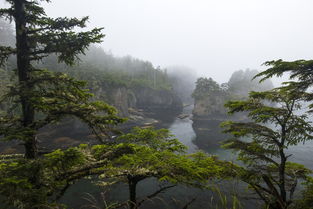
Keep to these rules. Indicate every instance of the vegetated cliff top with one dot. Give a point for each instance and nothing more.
(239, 85)
(210, 96)
(98, 66)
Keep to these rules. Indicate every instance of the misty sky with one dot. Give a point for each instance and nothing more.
(214, 37)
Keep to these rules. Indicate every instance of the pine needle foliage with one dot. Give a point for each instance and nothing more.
(157, 154)
(262, 143)
(42, 97)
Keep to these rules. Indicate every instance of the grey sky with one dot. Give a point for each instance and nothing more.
(214, 37)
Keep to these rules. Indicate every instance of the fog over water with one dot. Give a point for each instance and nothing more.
(213, 37)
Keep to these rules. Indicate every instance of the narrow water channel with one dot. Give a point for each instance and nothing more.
(184, 130)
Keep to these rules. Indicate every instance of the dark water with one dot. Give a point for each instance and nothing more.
(84, 194)
(207, 135)
(196, 136)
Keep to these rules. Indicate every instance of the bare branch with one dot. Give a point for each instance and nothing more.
(162, 189)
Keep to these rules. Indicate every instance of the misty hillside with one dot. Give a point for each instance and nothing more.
(143, 104)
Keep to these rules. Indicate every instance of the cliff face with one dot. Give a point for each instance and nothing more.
(156, 100)
(120, 100)
(210, 107)
(209, 99)
(210, 96)
(140, 105)
(209, 110)
(147, 99)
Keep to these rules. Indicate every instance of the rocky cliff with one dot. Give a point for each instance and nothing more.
(157, 100)
(210, 97)
(142, 107)
(126, 100)
(210, 107)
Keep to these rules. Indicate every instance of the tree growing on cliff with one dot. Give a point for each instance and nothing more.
(209, 98)
(42, 97)
(262, 144)
(205, 87)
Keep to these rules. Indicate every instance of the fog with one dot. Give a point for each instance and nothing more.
(213, 37)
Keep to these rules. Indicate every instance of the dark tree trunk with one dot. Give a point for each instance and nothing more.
(132, 185)
(282, 167)
(24, 70)
(282, 176)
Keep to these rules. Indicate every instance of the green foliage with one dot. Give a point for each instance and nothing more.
(300, 74)
(299, 69)
(225, 201)
(53, 173)
(238, 86)
(18, 176)
(5, 81)
(41, 97)
(261, 143)
(156, 154)
(206, 87)
(210, 96)
(160, 140)
(107, 70)
(47, 35)
(305, 201)
(55, 96)
(73, 157)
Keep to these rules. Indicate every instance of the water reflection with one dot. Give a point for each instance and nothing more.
(209, 137)
(204, 135)
(182, 129)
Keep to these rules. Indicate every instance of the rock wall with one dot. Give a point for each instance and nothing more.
(155, 100)
(210, 96)
(147, 99)
(120, 100)
(210, 108)
(213, 109)
(140, 105)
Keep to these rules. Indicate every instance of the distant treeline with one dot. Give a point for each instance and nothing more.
(98, 66)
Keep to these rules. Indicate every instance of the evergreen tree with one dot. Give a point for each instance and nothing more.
(262, 143)
(300, 75)
(206, 87)
(160, 156)
(42, 97)
(300, 81)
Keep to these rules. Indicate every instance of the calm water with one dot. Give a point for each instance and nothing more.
(177, 197)
(210, 142)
